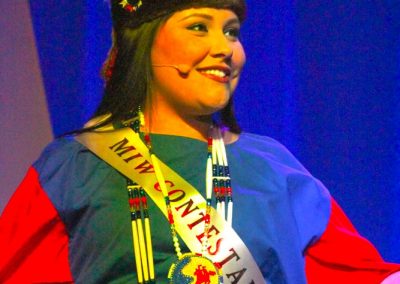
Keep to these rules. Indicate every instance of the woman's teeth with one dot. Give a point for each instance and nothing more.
(215, 72)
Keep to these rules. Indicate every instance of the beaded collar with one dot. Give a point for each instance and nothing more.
(217, 180)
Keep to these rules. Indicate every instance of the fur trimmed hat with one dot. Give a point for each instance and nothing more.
(133, 13)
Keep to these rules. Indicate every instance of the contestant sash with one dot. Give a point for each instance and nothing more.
(125, 151)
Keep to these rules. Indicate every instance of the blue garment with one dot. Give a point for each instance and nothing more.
(279, 208)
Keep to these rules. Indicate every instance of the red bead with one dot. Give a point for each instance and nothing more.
(129, 8)
(136, 201)
(170, 218)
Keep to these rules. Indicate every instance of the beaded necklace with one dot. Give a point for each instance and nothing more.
(142, 245)
(217, 180)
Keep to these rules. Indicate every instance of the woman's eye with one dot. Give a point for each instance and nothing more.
(198, 28)
(233, 33)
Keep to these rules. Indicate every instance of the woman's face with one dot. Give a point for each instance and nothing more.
(197, 59)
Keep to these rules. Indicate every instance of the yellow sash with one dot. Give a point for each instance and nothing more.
(125, 151)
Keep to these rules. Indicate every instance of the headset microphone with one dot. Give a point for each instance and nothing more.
(183, 69)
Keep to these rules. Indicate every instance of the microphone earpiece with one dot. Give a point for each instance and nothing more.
(181, 68)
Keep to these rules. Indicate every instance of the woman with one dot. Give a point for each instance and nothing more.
(90, 210)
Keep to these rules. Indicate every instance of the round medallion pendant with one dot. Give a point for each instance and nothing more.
(194, 269)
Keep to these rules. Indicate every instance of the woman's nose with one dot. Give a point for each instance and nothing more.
(221, 47)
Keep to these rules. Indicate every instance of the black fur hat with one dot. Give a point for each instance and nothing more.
(133, 13)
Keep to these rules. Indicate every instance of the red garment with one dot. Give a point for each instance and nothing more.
(342, 256)
(33, 239)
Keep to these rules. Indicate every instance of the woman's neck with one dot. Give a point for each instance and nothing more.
(166, 121)
(173, 124)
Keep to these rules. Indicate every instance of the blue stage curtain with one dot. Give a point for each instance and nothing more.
(323, 77)
(73, 38)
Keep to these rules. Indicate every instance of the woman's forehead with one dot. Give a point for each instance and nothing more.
(204, 13)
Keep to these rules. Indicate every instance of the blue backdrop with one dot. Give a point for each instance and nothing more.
(323, 78)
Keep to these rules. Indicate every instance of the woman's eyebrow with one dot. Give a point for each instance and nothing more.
(209, 17)
(201, 15)
(232, 21)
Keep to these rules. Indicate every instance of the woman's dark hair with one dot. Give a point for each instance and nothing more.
(128, 86)
(129, 83)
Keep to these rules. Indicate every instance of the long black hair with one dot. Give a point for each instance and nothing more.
(128, 85)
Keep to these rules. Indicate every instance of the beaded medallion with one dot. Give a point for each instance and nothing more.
(191, 268)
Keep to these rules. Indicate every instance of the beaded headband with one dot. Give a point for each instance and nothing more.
(133, 13)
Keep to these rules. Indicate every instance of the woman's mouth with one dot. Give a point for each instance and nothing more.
(221, 75)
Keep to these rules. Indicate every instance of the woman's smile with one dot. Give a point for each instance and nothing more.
(220, 74)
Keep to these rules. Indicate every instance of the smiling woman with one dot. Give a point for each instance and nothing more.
(161, 185)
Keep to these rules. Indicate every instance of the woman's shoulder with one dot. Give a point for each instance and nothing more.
(262, 141)
(58, 151)
(64, 155)
(284, 174)
(62, 144)
(267, 148)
